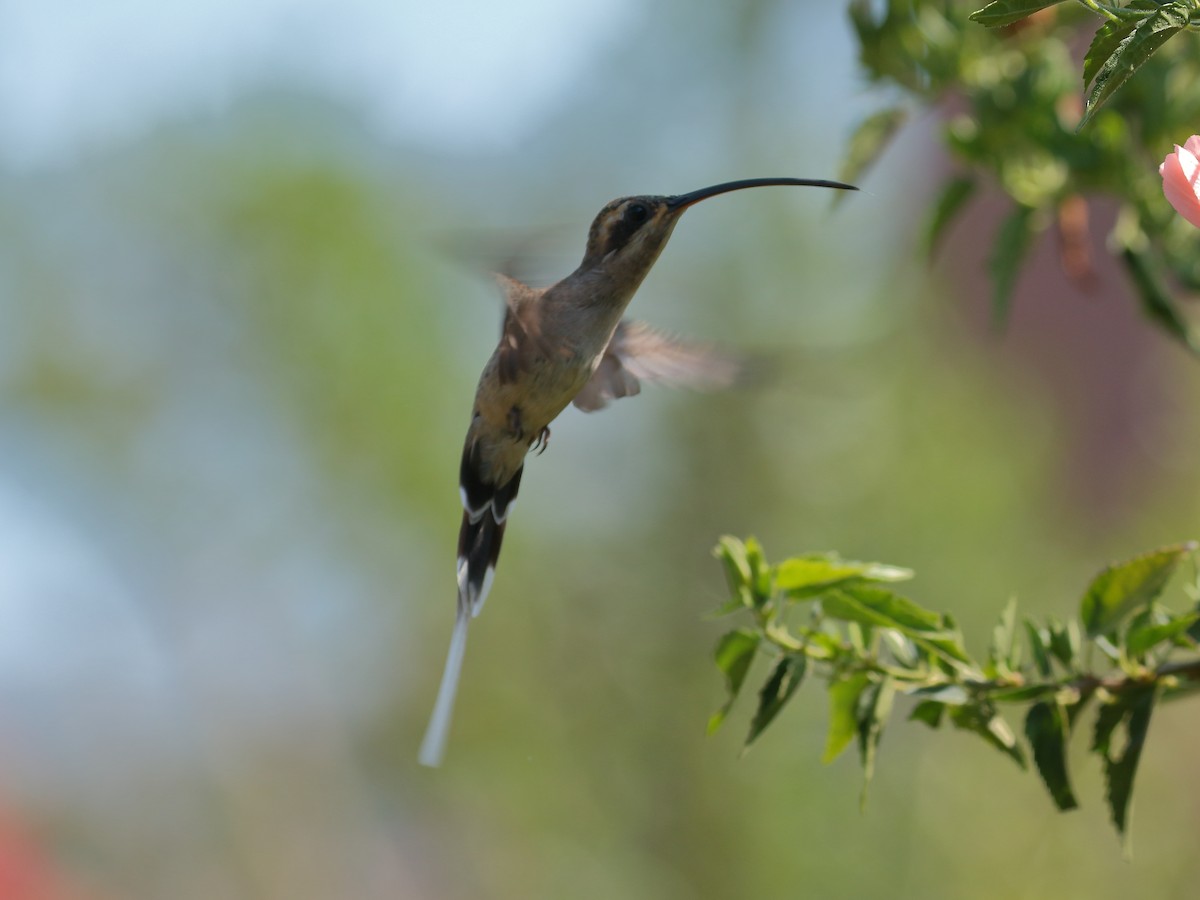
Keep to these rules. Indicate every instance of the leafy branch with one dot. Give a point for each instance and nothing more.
(842, 620)
(1017, 115)
(1129, 36)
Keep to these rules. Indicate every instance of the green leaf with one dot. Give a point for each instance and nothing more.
(1145, 638)
(1022, 694)
(879, 606)
(1013, 241)
(1002, 649)
(1006, 12)
(1132, 52)
(1046, 730)
(1107, 720)
(843, 714)
(1039, 647)
(732, 554)
(1134, 709)
(1104, 44)
(950, 202)
(870, 605)
(734, 654)
(902, 647)
(880, 53)
(859, 636)
(1064, 643)
(946, 694)
(821, 644)
(868, 141)
(1157, 304)
(1123, 587)
(874, 708)
(806, 576)
(760, 573)
(928, 711)
(785, 678)
(982, 719)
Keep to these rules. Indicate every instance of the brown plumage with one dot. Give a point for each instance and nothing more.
(562, 344)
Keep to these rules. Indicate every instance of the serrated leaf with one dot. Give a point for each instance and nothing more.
(1046, 731)
(983, 720)
(928, 711)
(1119, 772)
(784, 680)
(1013, 241)
(1039, 645)
(1064, 643)
(953, 197)
(869, 140)
(1006, 12)
(1123, 587)
(1132, 52)
(843, 714)
(805, 576)
(734, 654)
(874, 707)
(1104, 44)
(1145, 638)
(1107, 720)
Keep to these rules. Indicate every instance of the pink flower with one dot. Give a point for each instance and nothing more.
(1180, 171)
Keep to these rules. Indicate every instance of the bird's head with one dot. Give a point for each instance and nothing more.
(630, 232)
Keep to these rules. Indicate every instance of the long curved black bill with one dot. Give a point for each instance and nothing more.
(683, 201)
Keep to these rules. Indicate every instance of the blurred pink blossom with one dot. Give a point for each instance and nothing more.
(1180, 171)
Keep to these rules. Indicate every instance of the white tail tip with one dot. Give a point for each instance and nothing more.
(433, 747)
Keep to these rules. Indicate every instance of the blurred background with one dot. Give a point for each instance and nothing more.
(243, 305)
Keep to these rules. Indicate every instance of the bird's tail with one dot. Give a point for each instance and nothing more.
(485, 513)
(434, 744)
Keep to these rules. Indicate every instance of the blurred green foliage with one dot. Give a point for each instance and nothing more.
(1017, 117)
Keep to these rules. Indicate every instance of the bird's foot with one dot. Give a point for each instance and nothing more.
(542, 441)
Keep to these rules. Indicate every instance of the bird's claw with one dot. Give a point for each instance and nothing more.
(542, 441)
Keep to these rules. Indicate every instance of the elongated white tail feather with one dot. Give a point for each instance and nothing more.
(434, 745)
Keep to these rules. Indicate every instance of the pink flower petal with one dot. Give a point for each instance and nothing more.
(1180, 172)
(1192, 145)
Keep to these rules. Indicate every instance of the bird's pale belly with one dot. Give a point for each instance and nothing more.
(526, 406)
(511, 416)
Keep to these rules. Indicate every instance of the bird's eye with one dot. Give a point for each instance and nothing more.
(636, 213)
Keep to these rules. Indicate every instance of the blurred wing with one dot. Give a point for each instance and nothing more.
(521, 331)
(637, 353)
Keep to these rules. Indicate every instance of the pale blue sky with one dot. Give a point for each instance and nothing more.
(78, 76)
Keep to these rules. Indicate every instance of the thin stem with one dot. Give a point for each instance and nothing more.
(1101, 10)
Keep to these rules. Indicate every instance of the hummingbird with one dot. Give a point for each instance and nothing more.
(567, 343)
